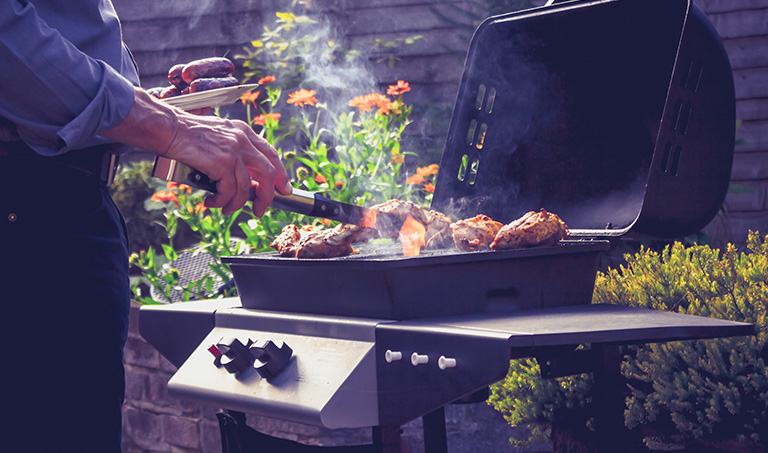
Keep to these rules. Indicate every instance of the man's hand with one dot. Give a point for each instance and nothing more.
(229, 152)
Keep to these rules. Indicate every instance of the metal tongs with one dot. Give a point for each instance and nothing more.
(300, 201)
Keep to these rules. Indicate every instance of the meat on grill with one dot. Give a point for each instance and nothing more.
(533, 228)
(317, 242)
(437, 224)
(476, 233)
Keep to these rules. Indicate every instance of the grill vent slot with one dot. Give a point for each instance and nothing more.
(471, 132)
(682, 116)
(692, 77)
(670, 159)
(481, 95)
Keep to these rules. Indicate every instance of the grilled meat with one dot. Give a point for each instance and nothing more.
(438, 225)
(316, 242)
(476, 233)
(534, 228)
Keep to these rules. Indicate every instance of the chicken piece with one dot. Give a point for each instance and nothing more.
(437, 224)
(289, 238)
(317, 245)
(438, 233)
(476, 233)
(316, 242)
(401, 209)
(534, 228)
(348, 233)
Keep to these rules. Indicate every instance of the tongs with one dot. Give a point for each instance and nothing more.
(300, 201)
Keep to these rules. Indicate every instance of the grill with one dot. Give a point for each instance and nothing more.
(617, 115)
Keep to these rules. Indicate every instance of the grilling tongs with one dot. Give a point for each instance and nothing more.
(300, 201)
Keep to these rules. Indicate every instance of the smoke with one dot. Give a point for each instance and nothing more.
(198, 9)
(330, 68)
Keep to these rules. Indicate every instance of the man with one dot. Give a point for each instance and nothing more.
(68, 95)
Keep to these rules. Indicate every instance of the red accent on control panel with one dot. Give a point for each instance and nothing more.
(215, 351)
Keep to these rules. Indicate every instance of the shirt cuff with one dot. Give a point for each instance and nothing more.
(107, 109)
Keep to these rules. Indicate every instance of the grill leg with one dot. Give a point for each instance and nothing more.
(386, 439)
(435, 440)
(612, 435)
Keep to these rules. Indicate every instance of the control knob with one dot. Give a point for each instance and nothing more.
(236, 357)
(270, 357)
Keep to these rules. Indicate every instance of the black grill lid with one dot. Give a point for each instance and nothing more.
(616, 115)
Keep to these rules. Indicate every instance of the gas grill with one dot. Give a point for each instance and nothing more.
(618, 115)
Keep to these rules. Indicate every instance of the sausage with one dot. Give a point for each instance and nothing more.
(174, 76)
(207, 68)
(210, 83)
(169, 92)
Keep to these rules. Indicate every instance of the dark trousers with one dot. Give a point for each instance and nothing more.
(65, 295)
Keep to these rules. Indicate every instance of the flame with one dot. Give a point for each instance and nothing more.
(412, 236)
(369, 219)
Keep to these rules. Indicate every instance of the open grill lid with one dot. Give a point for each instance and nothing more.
(616, 115)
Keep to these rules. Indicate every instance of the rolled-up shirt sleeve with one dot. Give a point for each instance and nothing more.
(58, 97)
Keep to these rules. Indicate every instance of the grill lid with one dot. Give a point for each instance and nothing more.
(616, 115)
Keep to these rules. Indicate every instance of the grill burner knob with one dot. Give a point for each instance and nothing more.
(236, 356)
(270, 358)
(392, 356)
(444, 362)
(418, 359)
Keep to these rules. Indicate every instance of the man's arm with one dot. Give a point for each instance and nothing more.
(228, 152)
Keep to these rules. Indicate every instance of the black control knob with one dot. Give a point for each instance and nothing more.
(270, 357)
(235, 354)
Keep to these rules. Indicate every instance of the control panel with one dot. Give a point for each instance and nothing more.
(315, 380)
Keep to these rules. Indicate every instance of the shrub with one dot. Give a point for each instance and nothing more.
(129, 190)
(703, 393)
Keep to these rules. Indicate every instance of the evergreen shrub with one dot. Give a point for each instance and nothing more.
(702, 394)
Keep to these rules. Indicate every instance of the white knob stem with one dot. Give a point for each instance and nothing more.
(418, 359)
(443, 362)
(391, 356)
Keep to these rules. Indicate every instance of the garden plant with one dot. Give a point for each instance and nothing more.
(704, 395)
(350, 152)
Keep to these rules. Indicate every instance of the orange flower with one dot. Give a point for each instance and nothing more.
(415, 179)
(429, 187)
(400, 88)
(266, 79)
(365, 103)
(250, 97)
(320, 179)
(164, 196)
(398, 159)
(325, 222)
(427, 171)
(185, 188)
(172, 185)
(302, 97)
(262, 119)
(200, 208)
(339, 183)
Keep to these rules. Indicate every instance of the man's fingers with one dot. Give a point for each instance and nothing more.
(280, 177)
(231, 190)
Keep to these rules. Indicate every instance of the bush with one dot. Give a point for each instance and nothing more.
(129, 191)
(692, 394)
